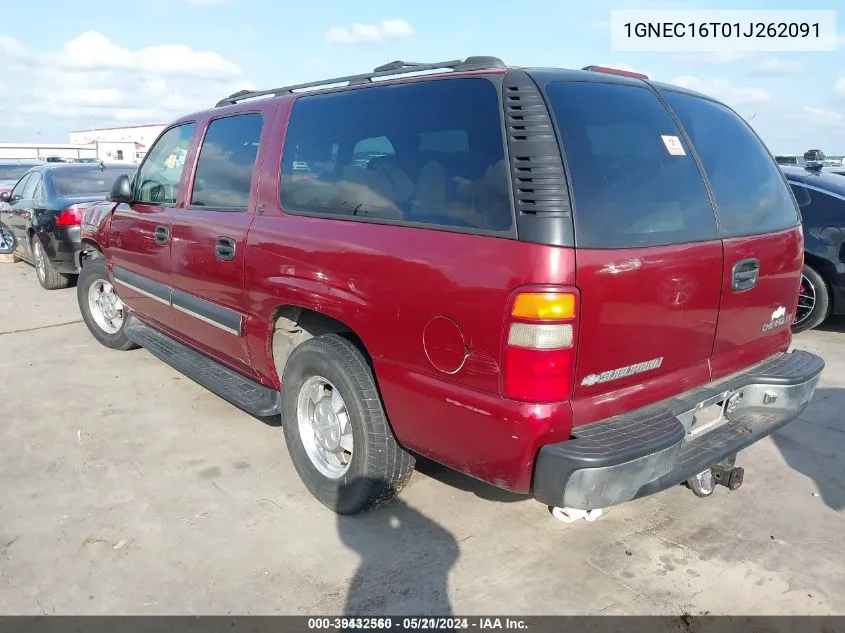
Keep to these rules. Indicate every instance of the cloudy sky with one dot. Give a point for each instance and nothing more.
(101, 63)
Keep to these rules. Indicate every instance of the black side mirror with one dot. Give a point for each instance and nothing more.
(121, 190)
(6, 196)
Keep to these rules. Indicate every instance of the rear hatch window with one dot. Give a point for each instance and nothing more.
(634, 181)
(750, 191)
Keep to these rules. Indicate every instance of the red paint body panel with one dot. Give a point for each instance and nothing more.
(643, 304)
(195, 269)
(381, 281)
(131, 245)
(740, 339)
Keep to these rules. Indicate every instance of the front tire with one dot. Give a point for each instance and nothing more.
(101, 309)
(336, 429)
(813, 301)
(48, 276)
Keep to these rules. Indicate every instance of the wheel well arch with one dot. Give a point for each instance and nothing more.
(827, 271)
(292, 325)
(89, 249)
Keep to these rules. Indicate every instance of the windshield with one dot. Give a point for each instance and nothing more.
(86, 182)
(13, 172)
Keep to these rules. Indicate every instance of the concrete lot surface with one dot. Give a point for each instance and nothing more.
(128, 489)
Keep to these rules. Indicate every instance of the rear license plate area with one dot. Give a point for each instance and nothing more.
(712, 414)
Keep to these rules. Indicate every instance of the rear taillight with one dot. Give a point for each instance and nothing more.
(539, 359)
(70, 216)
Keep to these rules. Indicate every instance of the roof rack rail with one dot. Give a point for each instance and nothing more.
(397, 67)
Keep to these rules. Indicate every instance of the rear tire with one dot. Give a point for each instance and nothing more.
(48, 276)
(347, 481)
(93, 280)
(813, 290)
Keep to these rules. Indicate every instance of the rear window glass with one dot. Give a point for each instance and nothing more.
(428, 153)
(78, 181)
(751, 195)
(634, 182)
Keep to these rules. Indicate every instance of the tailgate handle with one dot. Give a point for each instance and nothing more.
(745, 274)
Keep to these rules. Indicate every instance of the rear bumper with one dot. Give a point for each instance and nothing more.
(61, 245)
(654, 448)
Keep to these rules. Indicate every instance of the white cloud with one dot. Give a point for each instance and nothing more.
(11, 47)
(725, 91)
(90, 79)
(777, 66)
(93, 51)
(367, 33)
(712, 58)
(826, 117)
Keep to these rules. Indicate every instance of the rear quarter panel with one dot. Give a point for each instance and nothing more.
(429, 306)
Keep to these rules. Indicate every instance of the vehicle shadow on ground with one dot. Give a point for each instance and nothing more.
(405, 562)
(832, 324)
(814, 444)
(460, 481)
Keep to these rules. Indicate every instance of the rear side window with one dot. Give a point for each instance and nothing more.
(751, 195)
(223, 176)
(429, 153)
(634, 182)
(82, 181)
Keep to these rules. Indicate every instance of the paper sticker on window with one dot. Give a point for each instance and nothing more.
(673, 145)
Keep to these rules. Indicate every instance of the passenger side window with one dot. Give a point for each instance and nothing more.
(751, 195)
(157, 180)
(429, 153)
(226, 162)
(37, 187)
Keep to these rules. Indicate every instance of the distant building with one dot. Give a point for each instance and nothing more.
(127, 144)
(43, 151)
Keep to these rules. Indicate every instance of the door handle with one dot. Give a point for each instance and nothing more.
(745, 274)
(224, 249)
(162, 235)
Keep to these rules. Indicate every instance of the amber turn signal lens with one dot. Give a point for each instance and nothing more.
(544, 306)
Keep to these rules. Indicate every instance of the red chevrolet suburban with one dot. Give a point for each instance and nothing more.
(577, 284)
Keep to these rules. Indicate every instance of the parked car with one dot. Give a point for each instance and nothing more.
(790, 160)
(535, 282)
(44, 210)
(822, 197)
(11, 172)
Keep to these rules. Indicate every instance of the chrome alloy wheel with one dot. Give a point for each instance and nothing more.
(40, 259)
(806, 300)
(106, 307)
(324, 427)
(7, 240)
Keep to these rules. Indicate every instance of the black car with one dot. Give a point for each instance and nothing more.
(821, 196)
(44, 210)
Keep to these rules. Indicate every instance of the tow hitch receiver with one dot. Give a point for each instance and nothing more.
(730, 476)
(724, 474)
